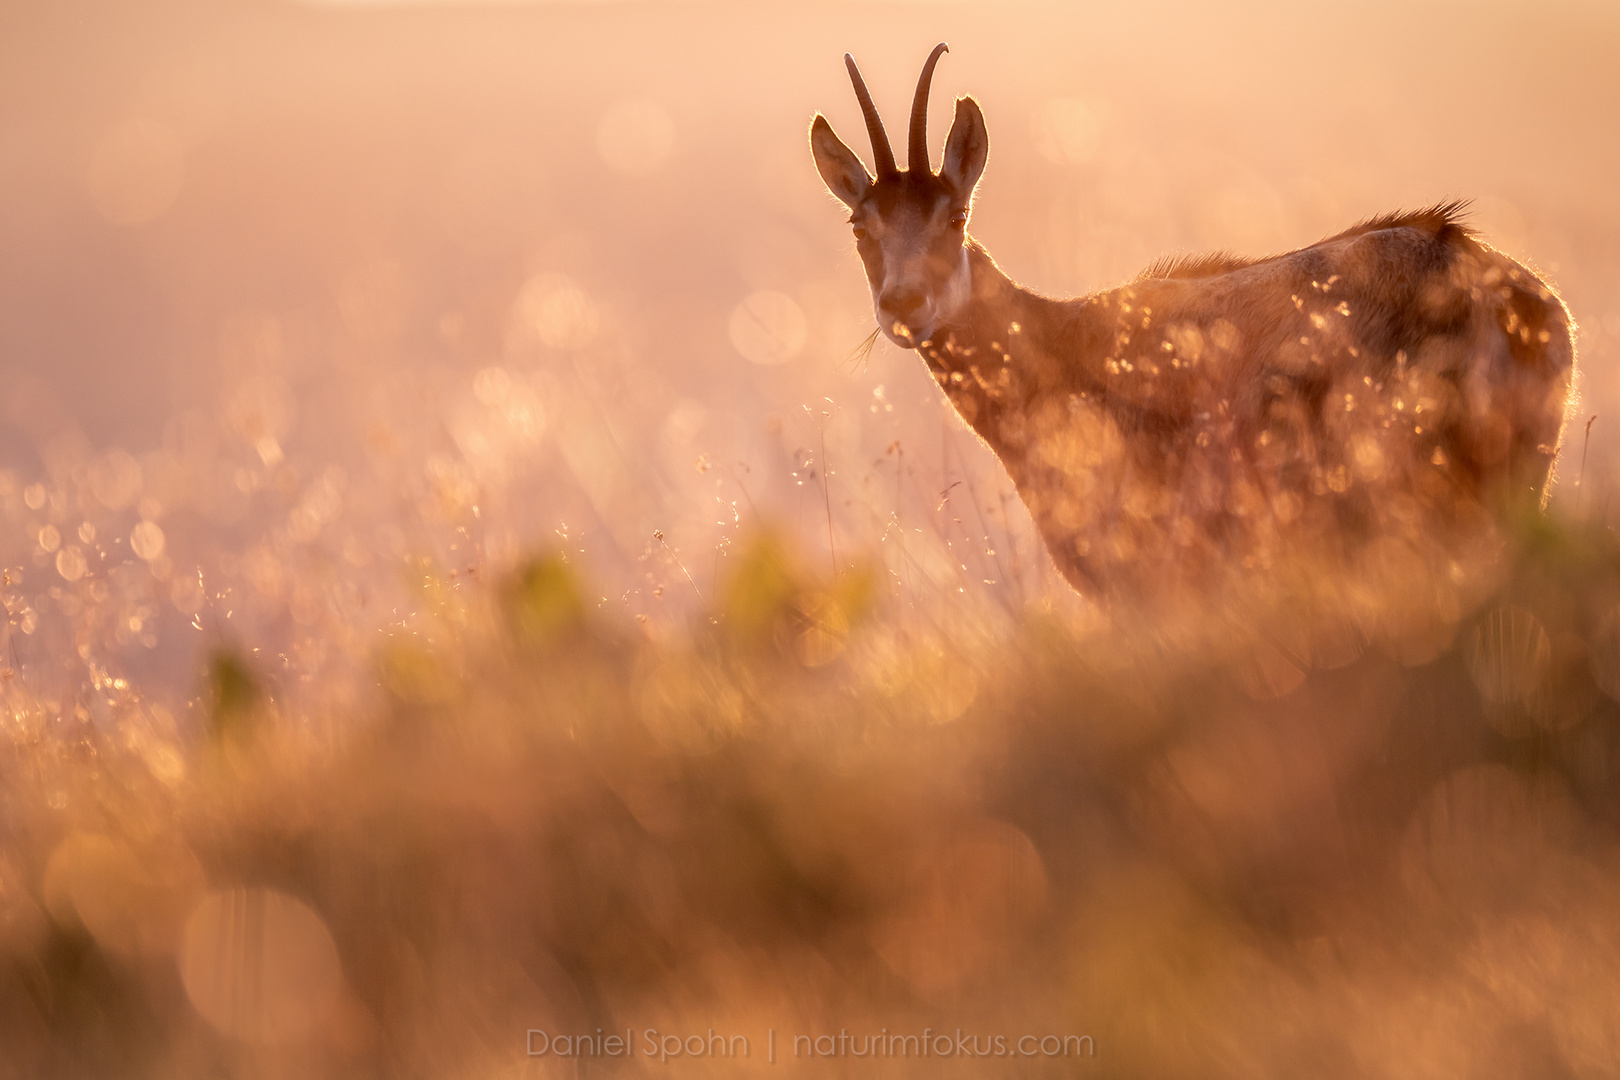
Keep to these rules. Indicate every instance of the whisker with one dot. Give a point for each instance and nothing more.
(861, 354)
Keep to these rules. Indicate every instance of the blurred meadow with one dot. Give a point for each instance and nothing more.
(466, 575)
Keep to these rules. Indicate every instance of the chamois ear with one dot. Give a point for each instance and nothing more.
(840, 169)
(967, 148)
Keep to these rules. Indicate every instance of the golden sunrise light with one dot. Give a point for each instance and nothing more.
(524, 553)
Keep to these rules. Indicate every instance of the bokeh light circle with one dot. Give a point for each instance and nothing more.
(259, 964)
(768, 328)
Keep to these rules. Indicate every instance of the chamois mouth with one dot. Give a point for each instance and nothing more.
(906, 335)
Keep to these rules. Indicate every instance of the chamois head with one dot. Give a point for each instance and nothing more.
(911, 226)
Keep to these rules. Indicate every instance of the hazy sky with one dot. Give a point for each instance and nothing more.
(323, 226)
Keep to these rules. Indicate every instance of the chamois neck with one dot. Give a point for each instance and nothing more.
(1008, 351)
(1005, 324)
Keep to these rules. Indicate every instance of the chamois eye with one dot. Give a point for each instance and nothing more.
(959, 219)
(860, 233)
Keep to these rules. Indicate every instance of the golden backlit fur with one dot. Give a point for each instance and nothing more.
(1381, 394)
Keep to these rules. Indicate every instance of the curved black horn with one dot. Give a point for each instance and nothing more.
(917, 148)
(882, 155)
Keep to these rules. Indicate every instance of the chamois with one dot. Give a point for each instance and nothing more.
(1399, 383)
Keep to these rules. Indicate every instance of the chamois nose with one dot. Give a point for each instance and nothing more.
(903, 304)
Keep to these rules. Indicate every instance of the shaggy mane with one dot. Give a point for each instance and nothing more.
(1195, 266)
(1437, 220)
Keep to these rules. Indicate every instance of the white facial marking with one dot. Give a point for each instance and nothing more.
(925, 277)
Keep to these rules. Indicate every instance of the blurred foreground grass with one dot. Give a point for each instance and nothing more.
(289, 789)
(1376, 840)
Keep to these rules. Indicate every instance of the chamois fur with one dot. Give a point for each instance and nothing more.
(1436, 219)
(1383, 394)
